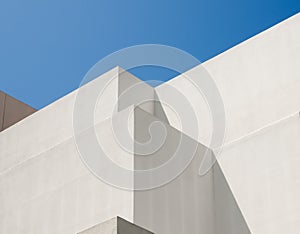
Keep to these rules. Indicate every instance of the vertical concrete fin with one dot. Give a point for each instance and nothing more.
(158, 109)
(133, 91)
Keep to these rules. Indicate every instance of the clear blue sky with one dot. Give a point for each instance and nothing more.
(47, 46)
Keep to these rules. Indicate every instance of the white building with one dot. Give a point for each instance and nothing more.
(254, 187)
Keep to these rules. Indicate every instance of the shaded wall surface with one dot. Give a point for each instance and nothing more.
(12, 111)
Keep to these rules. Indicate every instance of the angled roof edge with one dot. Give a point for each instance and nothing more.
(295, 17)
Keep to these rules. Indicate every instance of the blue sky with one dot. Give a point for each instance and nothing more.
(47, 46)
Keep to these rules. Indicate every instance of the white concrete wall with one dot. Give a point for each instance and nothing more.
(44, 187)
(53, 192)
(259, 81)
(268, 185)
(189, 203)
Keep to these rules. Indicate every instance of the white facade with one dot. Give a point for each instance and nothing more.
(259, 81)
(45, 187)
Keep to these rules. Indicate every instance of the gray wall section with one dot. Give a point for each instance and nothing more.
(190, 203)
(12, 111)
(228, 216)
(116, 225)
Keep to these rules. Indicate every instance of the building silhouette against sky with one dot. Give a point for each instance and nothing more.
(253, 187)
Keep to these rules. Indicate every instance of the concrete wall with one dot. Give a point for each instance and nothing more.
(45, 188)
(53, 192)
(44, 185)
(268, 186)
(259, 83)
(116, 225)
(189, 203)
